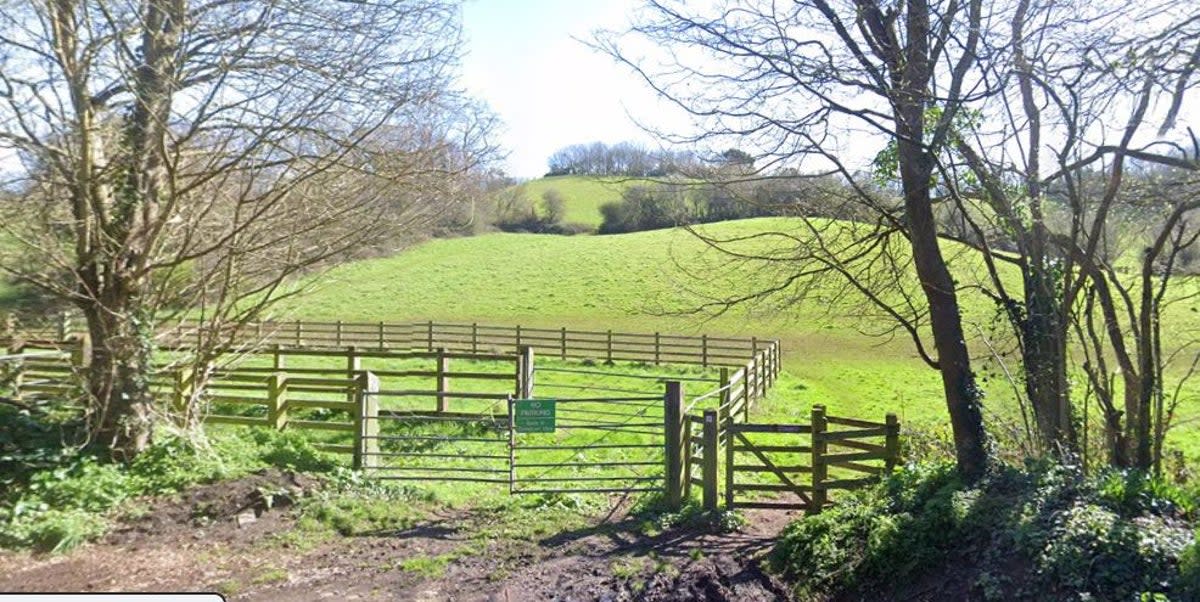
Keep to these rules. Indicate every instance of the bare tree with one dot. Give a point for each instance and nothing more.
(1020, 122)
(1046, 162)
(196, 155)
(793, 79)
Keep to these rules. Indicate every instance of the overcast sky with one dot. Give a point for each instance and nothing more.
(548, 88)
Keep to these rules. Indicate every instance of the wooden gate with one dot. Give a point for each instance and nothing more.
(797, 466)
(434, 423)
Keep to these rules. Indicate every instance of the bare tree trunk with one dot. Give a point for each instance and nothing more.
(963, 397)
(1045, 358)
(118, 379)
(910, 71)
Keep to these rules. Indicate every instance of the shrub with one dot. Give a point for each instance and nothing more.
(61, 530)
(645, 208)
(1189, 571)
(1043, 532)
(889, 531)
(1132, 492)
(515, 213)
(1091, 549)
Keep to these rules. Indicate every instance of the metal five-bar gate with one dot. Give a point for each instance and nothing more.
(594, 444)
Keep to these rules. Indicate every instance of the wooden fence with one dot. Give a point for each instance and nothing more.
(373, 412)
(563, 343)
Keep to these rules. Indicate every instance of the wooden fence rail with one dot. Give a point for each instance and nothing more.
(563, 343)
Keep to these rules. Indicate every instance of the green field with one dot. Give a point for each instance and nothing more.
(583, 195)
(642, 282)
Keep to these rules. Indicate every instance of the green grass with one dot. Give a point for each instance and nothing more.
(625, 282)
(425, 447)
(583, 194)
(647, 281)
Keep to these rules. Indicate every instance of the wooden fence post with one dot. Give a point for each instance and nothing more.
(525, 372)
(751, 384)
(182, 393)
(18, 377)
(277, 401)
(892, 444)
(819, 468)
(673, 440)
(279, 361)
(692, 455)
(366, 449)
(338, 337)
(353, 366)
(443, 381)
(429, 337)
(79, 352)
(657, 348)
(729, 456)
(512, 448)
(609, 360)
(64, 326)
(299, 334)
(759, 377)
(778, 359)
(704, 350)
(764, 378)
(749, 399)
(726, 391)
(771, 366)
(382, 340)
(563, 343)
(518, 335)
(711, 451)
(474, 337)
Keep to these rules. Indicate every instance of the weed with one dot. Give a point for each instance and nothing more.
(270, 576)
(301, 539)
(356, 514)
(429, 567)
(627, 567)
(1189, 571)
(229, 587)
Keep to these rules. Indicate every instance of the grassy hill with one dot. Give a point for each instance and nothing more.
(583, 194)
(649, 281)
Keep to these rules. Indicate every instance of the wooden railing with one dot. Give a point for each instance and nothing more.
(563, 343)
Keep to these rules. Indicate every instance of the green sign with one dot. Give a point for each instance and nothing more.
(534, 415)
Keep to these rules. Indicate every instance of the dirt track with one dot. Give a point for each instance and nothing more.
(267, 560)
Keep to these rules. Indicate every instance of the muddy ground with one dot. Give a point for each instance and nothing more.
(195, 543)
